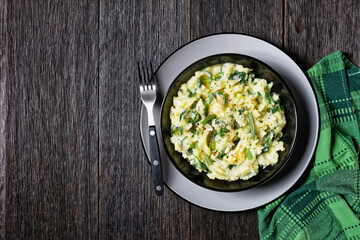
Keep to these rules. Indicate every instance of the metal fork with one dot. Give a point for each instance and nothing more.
(148, 97)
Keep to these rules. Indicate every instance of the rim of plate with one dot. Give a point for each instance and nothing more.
(317, 122)
(287, 157)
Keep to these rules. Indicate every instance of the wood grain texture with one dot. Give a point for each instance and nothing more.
(52, 124)
(131, 31)
(3, 112)
(71, 160)
(314, 29)
(263, 19)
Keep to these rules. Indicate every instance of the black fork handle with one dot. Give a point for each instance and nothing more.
(155, 162)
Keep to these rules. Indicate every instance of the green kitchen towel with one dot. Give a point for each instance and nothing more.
(326, 203)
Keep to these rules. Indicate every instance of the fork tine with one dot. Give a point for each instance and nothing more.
(148, 74)
(139, 70)
(152, 73)
(144, 72)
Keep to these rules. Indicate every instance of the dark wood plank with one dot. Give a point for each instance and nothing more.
(263, 19)
(71, 161)
(3, 111)
(52, 124)
(131, 31)
(207, 224)
(314, 29)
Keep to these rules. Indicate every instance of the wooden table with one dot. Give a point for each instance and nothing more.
(71, 161)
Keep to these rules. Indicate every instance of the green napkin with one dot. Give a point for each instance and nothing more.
(326, 202)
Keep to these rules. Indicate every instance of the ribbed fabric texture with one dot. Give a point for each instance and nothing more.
(326, 205)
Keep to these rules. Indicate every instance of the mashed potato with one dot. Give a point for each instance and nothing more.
(227, 123)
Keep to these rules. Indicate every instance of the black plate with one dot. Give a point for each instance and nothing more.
(261, 70)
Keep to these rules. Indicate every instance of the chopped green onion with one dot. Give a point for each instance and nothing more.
(219, 121)
(206, 80)
(277, 101)
(266, 145)
(282, 109)
(194, 112)
(211, 97)
(196, 118)
(252, 125)
(204, 167)
(267, 140)
(241, 110)
(274, 109)
(208, 119)
(182, 141)
(232, 115)
(248, 154)
(222, 131)
(260, 97)
(212, 146)
(193, 145)
(223, 95)
(182, 114)
(268, 97)
(239, 76)
(218, 76)
(221, 155)
(199, 164)
(193, 105)
(190, 151)
(231, 166)
(206, 110)
(177, 130)
(208, 160)
(198, 83)
(191, 94)
(250, 78)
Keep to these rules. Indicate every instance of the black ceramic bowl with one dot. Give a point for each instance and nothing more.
(261, 70)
